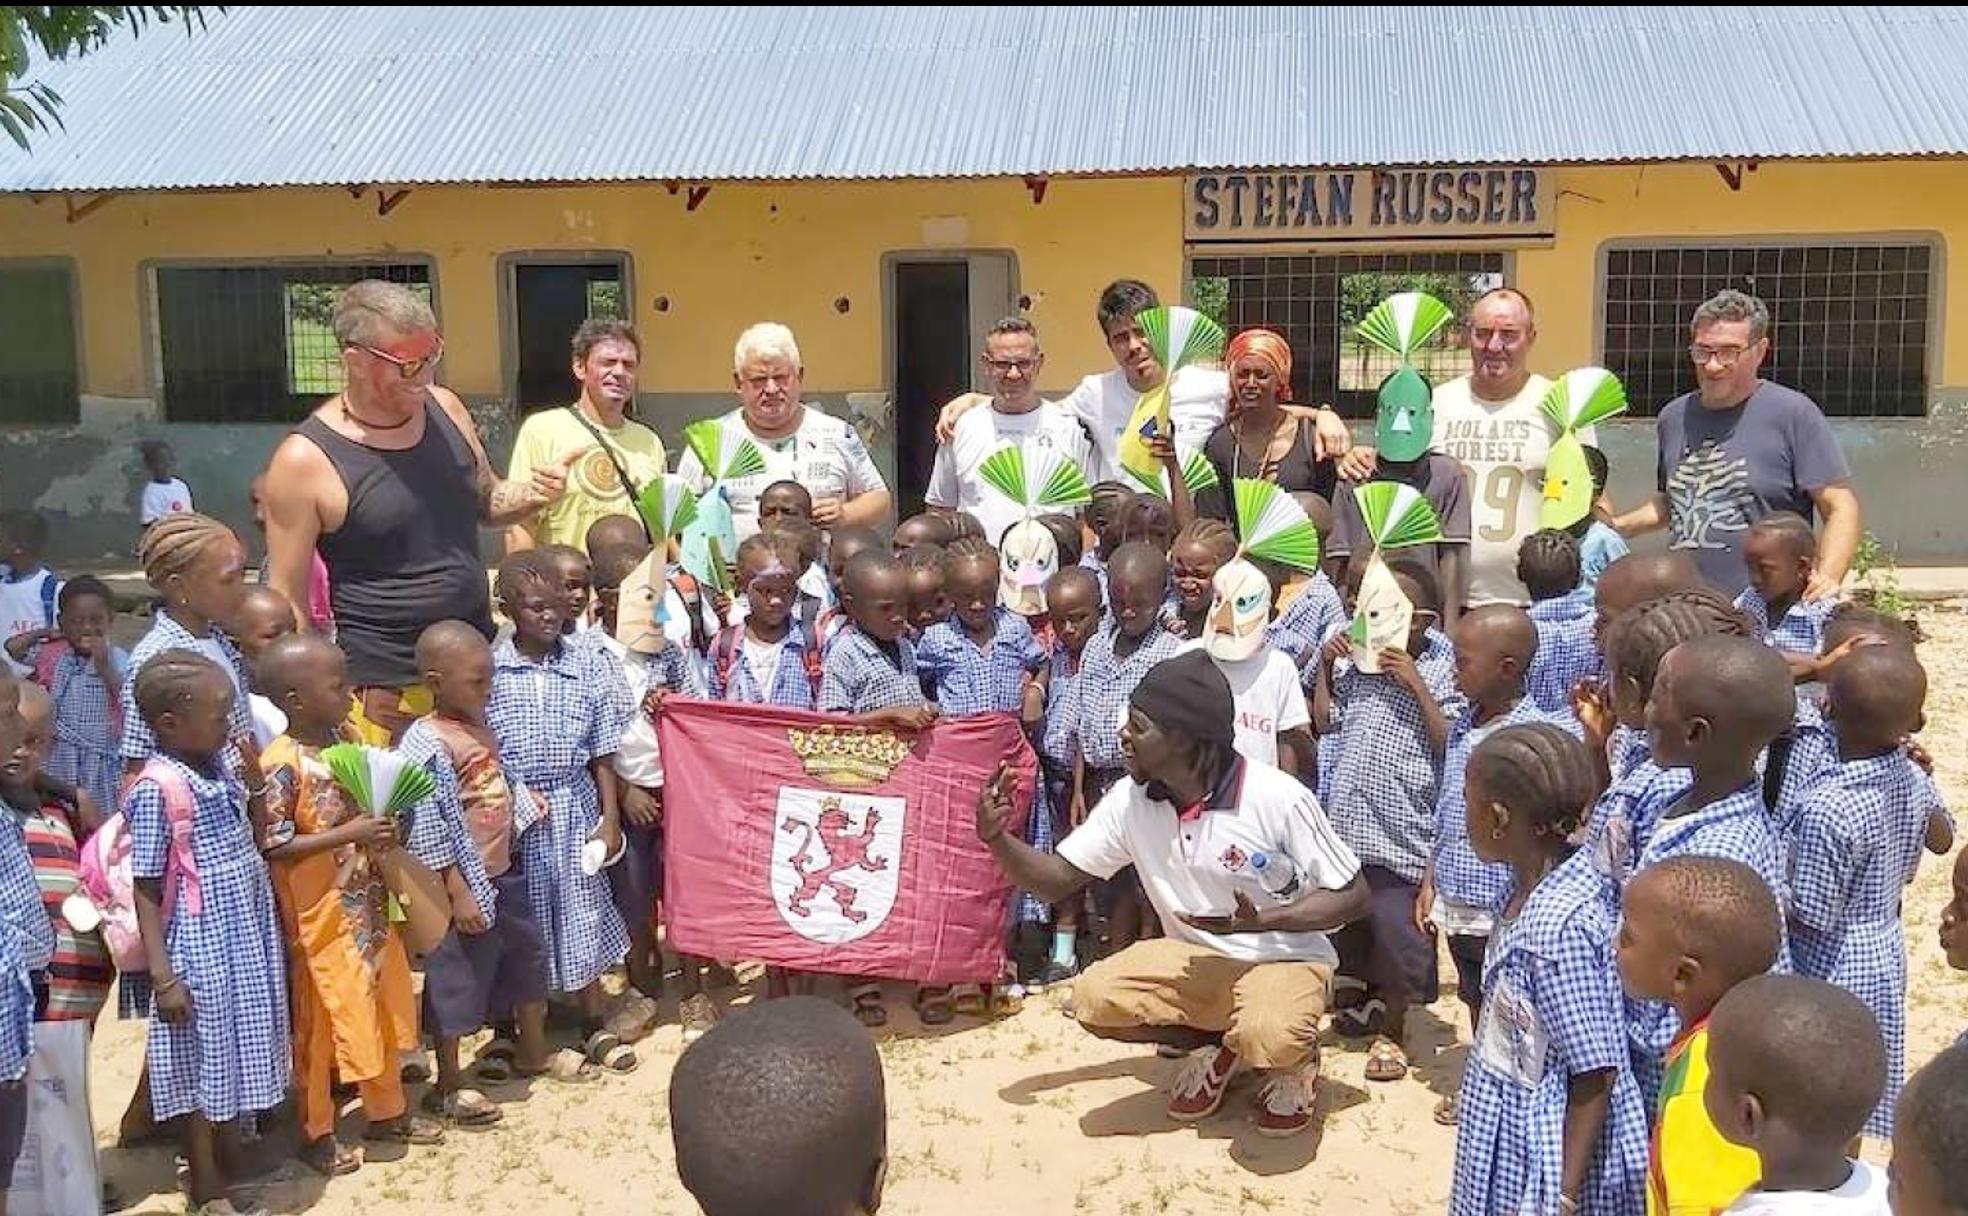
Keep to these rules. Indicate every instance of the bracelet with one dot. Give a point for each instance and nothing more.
(167, 985)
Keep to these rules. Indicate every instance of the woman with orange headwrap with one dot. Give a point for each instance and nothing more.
(1262, 439)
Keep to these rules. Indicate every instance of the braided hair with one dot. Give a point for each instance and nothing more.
(166, 681)
(1641, 637)
(1546, 773)
(1211, 534)
(172, 546)
(1548, 564)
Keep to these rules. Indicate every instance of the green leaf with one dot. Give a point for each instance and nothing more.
(1403, 323)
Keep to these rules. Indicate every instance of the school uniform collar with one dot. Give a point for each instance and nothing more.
(1227, 794)
(506, 657)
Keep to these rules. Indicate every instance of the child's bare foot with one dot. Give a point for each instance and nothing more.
(330, 1158)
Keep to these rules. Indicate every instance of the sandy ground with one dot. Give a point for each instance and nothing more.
(1022, 1115)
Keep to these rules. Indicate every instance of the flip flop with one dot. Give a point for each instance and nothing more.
(968, 1000)
(1386, 1061)
(934, 1007)
(1363, 1020)
(465, 1108)
(495, 1061)
(412, 1130)
(608, 1051)
(1445, 1112)
(564, 1067)
(336, 1160)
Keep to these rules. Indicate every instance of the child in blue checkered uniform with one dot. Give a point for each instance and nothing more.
(1856, 844)
(870, 672)
(1548, 1045)
(83, 675)
(1130, 640)
(1812, 750)
(27, 942)
(1074, 609)
(559, 721)
(769, 659)
(1494, 646)
(1562, 609)
(1393, 733)
(1781, 554)
(219, 1045)
(198, 567)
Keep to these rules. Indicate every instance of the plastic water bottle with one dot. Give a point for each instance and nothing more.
(1277, 875)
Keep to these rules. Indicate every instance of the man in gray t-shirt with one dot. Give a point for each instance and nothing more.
(1741, 448)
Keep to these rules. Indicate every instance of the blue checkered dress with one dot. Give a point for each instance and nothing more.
(1307, 621)
(88, 729)
(1059, 741)
(1566, 654)
(21, 909)
(16, 1012)
(439, 835)
(792, 686)
(1623, 820)
(1100, 694)
(860, 676)
(1625, 747)
(1461, 877)
(965, 678)
(1738, 827)
(1551, 1011)
(1857, 844)
(551, 723)
(166, 634)
(1385, 786)
(1800, 631)
(1813, 756)
(233, 1056)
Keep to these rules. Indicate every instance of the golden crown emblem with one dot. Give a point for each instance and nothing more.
(850, 757)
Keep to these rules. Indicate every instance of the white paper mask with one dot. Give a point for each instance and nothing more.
(1028, 558)
(647, 607)
(1234, 629)
(1381, 618)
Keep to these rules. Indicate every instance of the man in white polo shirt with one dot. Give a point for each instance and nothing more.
(1247, 876)
(1018, 415)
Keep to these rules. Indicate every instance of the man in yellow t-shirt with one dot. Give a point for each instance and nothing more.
(607, 356)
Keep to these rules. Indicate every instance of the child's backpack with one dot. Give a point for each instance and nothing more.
(725, 652)
(105, 867)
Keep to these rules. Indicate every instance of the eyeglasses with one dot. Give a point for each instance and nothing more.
(1004, 367)
(1727, 356)
(407, 369)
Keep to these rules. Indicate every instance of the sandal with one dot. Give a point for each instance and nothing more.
(414, 1071)
(610, 1052)
(934, 1007)
(495, 1061)
(330, 1158)
(968, 1000)
(1386, 1061)
(407, 1130)
(868, 1007)
(565, 1067)
(1445, 1112)
(466, 1108)
(634, 1018)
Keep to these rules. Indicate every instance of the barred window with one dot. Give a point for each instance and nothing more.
(1851, 323)
(1315, 302)
(40, 376)
(256, 343)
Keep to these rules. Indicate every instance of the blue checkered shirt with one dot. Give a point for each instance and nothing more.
(1060, 738)
(439, 835)
(964, 678)
(732, 677)
(166, 634)
(1461, 877)
(1308, 620)
(861, 676)
(1387, 780)
(1105, 683)
(25, 915)
(1566, 654)
(556, 717)
(1800, 631)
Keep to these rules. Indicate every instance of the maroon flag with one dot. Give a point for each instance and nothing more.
(792, 839)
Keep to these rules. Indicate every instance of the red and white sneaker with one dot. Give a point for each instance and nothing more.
(1284, 1104)
(1199, 1087)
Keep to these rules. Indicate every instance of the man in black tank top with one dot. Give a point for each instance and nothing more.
(390, 483)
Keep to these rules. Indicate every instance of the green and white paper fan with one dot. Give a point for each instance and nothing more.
(667, 506)
(382, 782)
(1274, 527)
(1583, 397)
(1037, 480)
(1198, 474)
(1396, 515)
(722, 459)
(1181, 336)
(1404, 322)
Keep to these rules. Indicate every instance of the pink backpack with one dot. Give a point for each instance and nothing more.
(105, 868)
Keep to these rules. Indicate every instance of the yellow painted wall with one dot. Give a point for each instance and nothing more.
(786, 252)
(749, 253)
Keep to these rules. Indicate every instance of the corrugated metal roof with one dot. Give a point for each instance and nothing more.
(275, 95)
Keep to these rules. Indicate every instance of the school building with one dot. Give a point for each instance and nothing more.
(890, 181)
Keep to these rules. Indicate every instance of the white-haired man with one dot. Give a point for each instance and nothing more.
(799, 443)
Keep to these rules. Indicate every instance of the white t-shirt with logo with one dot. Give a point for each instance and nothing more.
(954, 482)
(1198, 399)
(1268, 697)
(1198, 866)
(1502, 447)
(1863, 1194)
(161, 498)
(27, 606)
(825, 455)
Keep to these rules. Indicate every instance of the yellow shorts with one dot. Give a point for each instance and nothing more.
(381, 714)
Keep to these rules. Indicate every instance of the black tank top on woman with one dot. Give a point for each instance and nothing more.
(407, 554)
